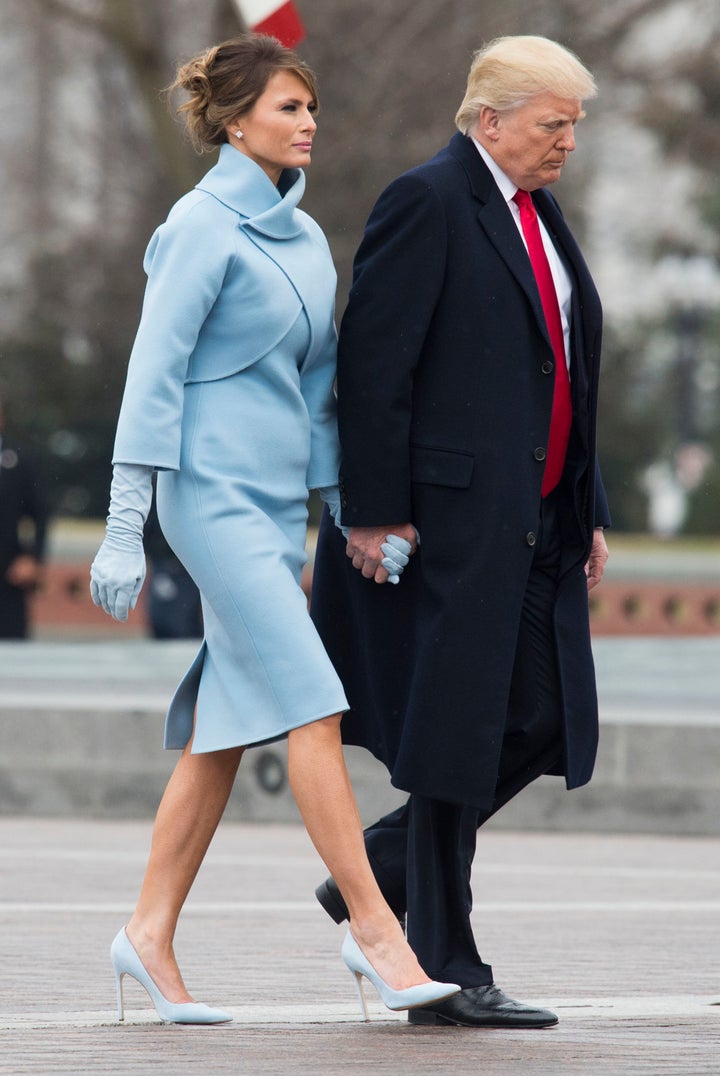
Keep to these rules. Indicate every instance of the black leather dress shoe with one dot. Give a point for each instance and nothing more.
(482, 1006)
(332, 901)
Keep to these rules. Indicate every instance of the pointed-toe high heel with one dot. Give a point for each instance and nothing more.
(126, 962)
(411, 998)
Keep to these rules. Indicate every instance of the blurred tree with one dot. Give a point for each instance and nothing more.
(104, 186)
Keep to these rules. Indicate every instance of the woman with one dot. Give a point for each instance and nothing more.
(229, 397)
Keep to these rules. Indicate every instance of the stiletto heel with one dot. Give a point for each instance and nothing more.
(411, 998)
(361, 993)
(120, 999)
(126, 962)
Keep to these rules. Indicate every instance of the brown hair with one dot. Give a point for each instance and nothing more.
(225, 81)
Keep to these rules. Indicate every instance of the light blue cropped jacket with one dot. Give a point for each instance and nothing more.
(228, 273)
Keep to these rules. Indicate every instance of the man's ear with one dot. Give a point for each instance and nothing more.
(488, 123)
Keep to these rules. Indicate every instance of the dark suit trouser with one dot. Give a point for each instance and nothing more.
(422, 853)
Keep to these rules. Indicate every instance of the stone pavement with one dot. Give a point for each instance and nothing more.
(619, 934)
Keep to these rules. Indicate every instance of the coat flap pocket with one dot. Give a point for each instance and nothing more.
(441, 466)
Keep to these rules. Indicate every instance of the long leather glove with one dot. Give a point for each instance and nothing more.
(118, 571)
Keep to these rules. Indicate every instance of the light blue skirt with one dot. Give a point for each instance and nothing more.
(236, 516)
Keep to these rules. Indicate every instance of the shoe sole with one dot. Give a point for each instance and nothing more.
(435, 1019)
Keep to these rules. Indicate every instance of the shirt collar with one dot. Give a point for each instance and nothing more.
(506, 185)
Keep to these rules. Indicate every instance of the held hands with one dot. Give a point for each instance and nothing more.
(381, 553)
(396, 550)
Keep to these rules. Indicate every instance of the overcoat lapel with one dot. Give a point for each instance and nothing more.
(496, 220)
(586, 311)
(503, 234)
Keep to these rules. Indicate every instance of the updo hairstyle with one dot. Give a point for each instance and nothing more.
(225, 81)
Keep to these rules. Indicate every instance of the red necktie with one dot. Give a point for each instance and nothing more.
(561, 418)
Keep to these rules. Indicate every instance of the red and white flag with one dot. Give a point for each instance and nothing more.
(275, 17)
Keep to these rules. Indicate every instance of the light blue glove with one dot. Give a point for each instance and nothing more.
(397, 554)
(118, 571)
(331, 497)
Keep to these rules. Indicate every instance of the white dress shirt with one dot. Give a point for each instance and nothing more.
(561, 279)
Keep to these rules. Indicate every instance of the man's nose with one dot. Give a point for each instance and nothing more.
(567, 139)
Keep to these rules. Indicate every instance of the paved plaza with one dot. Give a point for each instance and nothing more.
(619, 934)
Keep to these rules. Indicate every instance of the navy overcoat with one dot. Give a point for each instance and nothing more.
(445, 393)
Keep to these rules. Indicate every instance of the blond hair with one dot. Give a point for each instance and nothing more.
(225, 81)
(510, 70)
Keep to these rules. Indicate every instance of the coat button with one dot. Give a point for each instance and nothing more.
(530, 538)
(547, 367)
(343, 502)
(539, 454)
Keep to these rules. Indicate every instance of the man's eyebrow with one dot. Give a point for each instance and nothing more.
(561, 117)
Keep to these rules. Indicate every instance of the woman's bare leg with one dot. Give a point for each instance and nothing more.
(324, 795)
(188, 815)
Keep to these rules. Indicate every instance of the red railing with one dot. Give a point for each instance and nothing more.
(655, 608)
(616, 608)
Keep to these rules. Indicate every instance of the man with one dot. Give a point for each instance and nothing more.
(470, 306)
(21, 551)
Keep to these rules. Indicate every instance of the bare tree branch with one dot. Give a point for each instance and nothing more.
(119, 25)
(64, 9)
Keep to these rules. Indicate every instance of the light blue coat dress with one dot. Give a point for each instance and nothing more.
(230, 396)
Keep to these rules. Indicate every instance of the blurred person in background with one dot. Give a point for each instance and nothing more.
(23, 527)
(467, 397)
(229, 397)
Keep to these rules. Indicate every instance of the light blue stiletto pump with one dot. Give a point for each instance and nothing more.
(411, 998)
(126, 962)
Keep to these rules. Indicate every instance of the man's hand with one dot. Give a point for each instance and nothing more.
(597, 560)
(364, 548)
